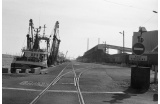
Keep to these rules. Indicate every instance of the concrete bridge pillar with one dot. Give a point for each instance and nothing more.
(119, 51)
(107, 50)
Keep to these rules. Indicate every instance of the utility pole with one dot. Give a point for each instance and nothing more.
(98, 40)
(87, 44)
(123, 40)
(155, 67)
(66, 54)
(105, 46)
(123, 60)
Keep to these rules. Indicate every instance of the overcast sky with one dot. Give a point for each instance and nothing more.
(78, 20)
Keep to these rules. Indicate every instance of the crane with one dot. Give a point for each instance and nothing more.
(66, 54)
(55, 44)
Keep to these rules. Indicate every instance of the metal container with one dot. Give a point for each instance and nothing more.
(140, 77)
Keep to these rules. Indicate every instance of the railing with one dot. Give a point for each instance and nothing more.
(31, 59)
(39, 50)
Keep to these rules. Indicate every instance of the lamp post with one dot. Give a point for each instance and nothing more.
(123, 61)
(141, 30)
(155, 67)
(123, 39)
(155, 11)
(105, 46)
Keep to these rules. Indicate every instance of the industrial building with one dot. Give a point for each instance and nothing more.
(150, 40)
(99, 53)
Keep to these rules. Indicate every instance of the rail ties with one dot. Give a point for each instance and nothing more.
(76, 82)
(52, 83)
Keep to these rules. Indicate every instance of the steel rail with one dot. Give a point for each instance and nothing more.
(76, 81)
(79, 86)
(80, 97)
(53, 82)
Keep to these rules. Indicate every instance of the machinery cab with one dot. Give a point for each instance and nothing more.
(35, 56)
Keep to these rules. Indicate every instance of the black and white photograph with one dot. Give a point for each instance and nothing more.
(79, 51)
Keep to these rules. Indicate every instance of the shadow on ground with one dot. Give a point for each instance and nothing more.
(155, 97)
(118, 98)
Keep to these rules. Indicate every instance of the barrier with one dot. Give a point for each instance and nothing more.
(23, 70)
(5, 70)
(44, 71)
(35, 70)
(27, 71)
(18, 70)
(140, 77)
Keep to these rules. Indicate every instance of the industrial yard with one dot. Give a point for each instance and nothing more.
(75, 83)
(80, 52)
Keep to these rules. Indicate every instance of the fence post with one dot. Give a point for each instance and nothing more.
(155, 73)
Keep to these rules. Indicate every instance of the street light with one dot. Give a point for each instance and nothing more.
(141, 30)
(123, 40)
(156, 69)
(155, 11)
(105, 46)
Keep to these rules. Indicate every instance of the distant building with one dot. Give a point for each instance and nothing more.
(150, 41)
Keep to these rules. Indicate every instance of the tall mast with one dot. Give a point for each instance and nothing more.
(36, 41)
(44, 30)
(31, 27)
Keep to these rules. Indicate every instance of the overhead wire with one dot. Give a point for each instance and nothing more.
(131, 6)
(135, 8)
(119, 36)
(142, 23)
(148, 19)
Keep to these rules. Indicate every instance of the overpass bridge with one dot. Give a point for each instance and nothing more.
(106, 47)
(119, 48)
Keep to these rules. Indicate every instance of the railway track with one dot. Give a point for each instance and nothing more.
(77, 77)
(77, 74)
